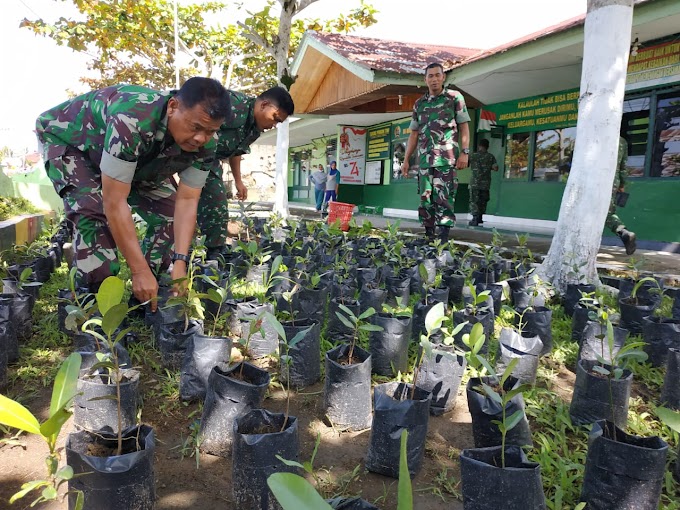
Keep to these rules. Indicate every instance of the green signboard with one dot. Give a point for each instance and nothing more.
(378, 139)
(538, 113)
(401, 129)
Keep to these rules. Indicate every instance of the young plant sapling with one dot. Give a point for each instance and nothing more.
(503, 398)
(433, 321)
(285, 358)
(15, 415)
(113, 312)
(356, 324)
(613, 370)
(189, 300)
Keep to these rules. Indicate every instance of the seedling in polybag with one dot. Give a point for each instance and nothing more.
(13, 414)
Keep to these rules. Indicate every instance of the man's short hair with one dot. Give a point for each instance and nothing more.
(206, 92)
(281, 97)
(434, 64)
(484, 143)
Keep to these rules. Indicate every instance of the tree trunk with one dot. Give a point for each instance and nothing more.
(585, 203)
(288, 10)
(281, 178)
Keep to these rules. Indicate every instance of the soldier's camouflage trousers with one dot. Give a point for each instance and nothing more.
(438, 188)
(213, 209)
(96, 257)
(613, 222)
(478, 200)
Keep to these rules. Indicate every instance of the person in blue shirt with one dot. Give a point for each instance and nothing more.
(332, 185)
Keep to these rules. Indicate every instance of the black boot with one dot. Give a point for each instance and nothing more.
(444, 234)
(429, 233)
(473, 222)
(479, 219)
(628, 239)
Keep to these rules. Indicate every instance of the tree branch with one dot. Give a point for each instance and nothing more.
(256, 38)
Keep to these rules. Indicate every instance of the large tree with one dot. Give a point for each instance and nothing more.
(576, 242)
(133, 41)
(277, 41)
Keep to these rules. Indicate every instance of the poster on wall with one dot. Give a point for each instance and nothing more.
(352, 155)
(374, 171)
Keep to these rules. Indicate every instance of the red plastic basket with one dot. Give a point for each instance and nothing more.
(340, 211)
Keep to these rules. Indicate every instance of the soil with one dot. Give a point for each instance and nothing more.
(180, 484)
(99, 450)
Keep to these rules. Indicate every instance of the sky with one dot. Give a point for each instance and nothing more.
(37, 73)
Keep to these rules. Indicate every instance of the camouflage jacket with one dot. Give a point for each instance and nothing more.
(235, 138)
(621, 160)
(481, 164)
(436, 119)
(123, 130)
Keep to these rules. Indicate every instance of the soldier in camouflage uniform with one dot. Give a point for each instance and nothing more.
(252, 116)
(118, 147)
(482, 163)
(440, 131)
(613, 222)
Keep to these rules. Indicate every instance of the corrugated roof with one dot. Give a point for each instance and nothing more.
(393, 56)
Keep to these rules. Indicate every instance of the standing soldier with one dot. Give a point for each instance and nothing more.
(613, 222)
(481, 163)
(440, 130)
(118, 147)
(252, 116)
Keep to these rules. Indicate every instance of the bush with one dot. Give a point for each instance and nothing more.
(15, 206)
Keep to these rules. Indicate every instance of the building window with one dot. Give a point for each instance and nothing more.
(635, 129)
(552, 157)
(666, 141)
(517, 156)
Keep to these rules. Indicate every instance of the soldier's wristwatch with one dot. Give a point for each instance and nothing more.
(179, 256)
(466, 151)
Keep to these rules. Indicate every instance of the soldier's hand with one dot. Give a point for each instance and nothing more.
(621, 189)
(179, 271)
(462, 161)
(404, 169)
(145, 287)
(241, 191)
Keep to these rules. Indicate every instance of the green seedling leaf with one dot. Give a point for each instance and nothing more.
(435, 317)
(110, 293)
(273, 322)
(28, 487)
(601, 370)
(65, 383)
(508, 395)
(669, 417)
(367, 313)
(121, 335)
(25, 274)
(49, 493)
(508, 370)
(513, 420)
(371, 327)
(484, 362)
(344, 320)
(298, 336)
(65, 473)
(491, 393)
(13, 414)
(53, 425)
(290, 463)
(113, 318)
(295, 493)
(80, 500)
(404, 488)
